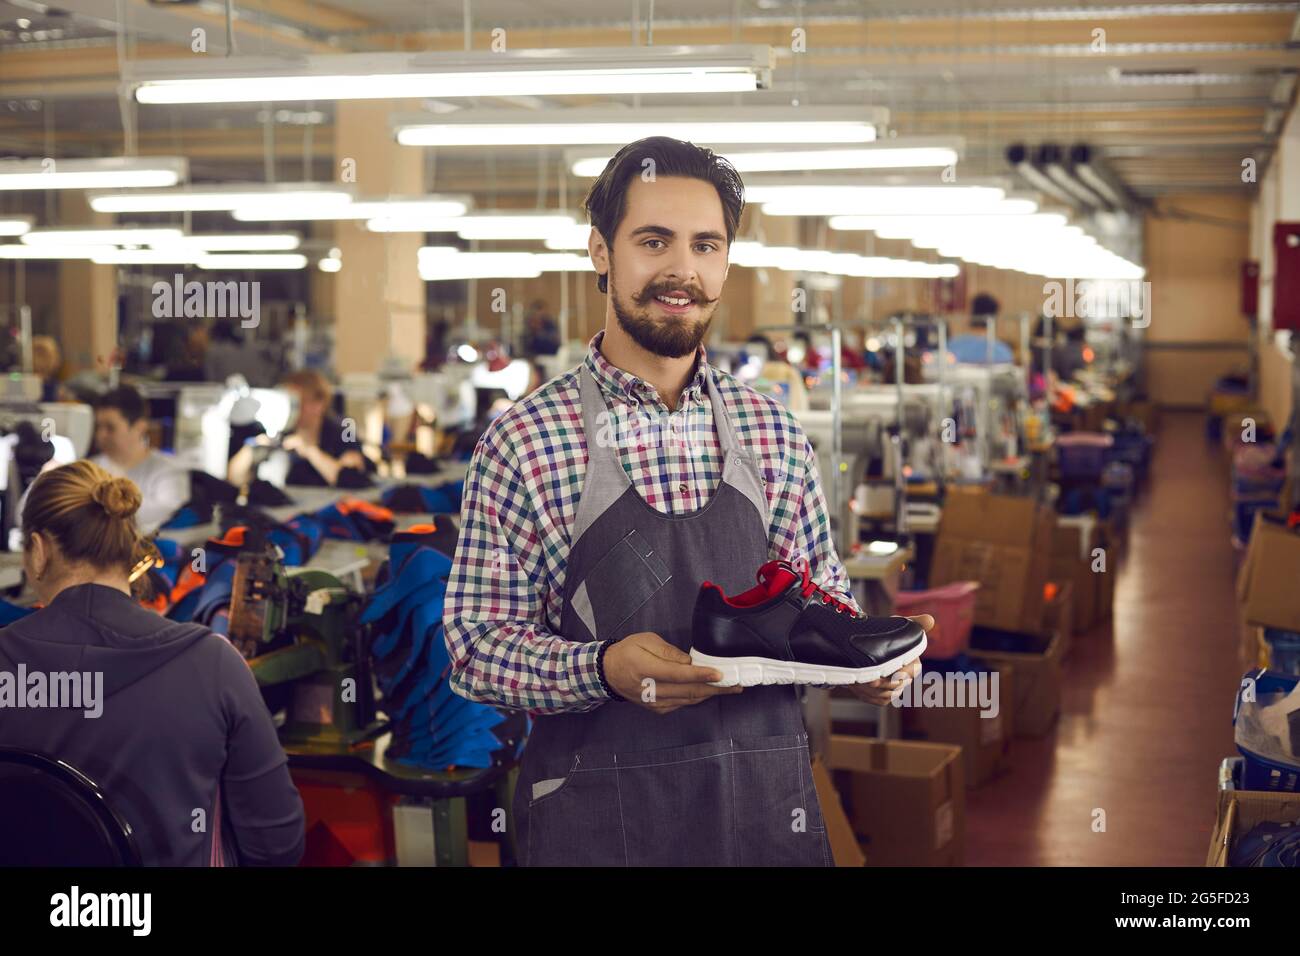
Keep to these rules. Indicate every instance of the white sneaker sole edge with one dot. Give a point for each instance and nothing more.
(756, 671)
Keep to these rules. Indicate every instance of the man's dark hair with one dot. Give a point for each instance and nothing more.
(126, 400)
(606, 202)
(984, 304)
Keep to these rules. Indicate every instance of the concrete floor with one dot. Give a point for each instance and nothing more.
(1147, 704)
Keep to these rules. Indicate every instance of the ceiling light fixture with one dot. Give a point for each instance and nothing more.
(117, 172)
(602, 126)
(615, 71)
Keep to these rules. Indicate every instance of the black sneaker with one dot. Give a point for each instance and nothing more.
(787, 630)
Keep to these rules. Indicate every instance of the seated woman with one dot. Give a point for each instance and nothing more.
(170, 722)
(122, 437)
(320, 444)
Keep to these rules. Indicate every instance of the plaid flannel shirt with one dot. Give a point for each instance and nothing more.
(506, 589)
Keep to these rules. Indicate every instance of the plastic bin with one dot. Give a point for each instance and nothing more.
(953, 608)
(1259, 772)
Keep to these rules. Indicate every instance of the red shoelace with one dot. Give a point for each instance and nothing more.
(809, 588)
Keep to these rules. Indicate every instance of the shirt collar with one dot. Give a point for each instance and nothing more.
(630, 388)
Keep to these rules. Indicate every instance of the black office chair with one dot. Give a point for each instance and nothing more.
(52, 814)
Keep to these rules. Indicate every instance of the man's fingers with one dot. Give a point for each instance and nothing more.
(667, 672)
(668, 690)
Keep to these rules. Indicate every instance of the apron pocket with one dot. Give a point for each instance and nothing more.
(616, 587)
(575, 823)
(778, 817)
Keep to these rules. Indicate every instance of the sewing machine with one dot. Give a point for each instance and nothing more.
(300, 628)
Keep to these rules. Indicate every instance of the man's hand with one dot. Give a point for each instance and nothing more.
(883, 691)
(649, 671)
(293, 443)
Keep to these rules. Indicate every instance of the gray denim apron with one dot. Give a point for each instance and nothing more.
(724, 782)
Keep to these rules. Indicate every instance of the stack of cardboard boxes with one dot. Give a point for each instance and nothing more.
(903, 801)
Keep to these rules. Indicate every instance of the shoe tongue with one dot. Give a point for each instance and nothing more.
(776, 576)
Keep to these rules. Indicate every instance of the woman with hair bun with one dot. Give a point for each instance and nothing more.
(169, 722)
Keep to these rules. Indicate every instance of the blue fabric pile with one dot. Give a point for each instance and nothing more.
(444, 499)
(433, 728)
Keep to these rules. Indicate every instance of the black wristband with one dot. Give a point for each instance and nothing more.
(600, 672)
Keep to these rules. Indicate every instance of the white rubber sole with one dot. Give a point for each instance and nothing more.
(756, 671)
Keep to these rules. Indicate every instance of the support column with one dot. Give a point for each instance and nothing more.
(379, 297)
(87, 296)
(771, 299)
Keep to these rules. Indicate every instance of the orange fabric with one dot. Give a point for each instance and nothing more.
(233, 537)
(421, 529)
(374, 512)
(158, 604)
(189, 580)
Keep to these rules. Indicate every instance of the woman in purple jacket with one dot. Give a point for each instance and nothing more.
(166, 717)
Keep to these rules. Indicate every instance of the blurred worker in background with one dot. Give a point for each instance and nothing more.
(972, 347)
(320, 444)
(47, 364)
(122, 438)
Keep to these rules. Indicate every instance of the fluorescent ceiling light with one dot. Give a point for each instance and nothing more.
(814, 200)
(439, 263)
(141, 236)
(919, 152)
(16, 251)
(791, 258)
(915, 224)
(330, 264)
(480, 226)
(208, 198)
(15, 225)
(356, 76)
(570, 237)
(240, 242)
(430, 206)
(172, 255)
(116, 172)
(270, 260)
(803, 126)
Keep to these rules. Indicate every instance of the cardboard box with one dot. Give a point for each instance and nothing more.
(1239, 810)
(1073, 541)
(1147, 413)
(1036, 689)
(1267, 583)
(1254, 652)
(844, 844)
(1005, 544)
(985, 741)
(1058, 614)
(905, 800)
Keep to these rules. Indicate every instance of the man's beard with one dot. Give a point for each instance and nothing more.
(671, 336)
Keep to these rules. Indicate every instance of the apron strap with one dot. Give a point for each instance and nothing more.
(739, 469)
(606, 481)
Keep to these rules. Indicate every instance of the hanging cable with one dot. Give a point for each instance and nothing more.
(268, 144)
(124, 103)
(307, 142)
(230, 27)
